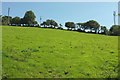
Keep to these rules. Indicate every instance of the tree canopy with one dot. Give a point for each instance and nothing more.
(15, 21)
(29, 18)
(92, 25)
(115, 30)
(104, 30)
(6, 20)
(50, 23)
(70, 25)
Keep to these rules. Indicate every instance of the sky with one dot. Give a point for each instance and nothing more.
(62, 12)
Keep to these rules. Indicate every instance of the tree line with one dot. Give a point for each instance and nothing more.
(90, 26)
(27, 20)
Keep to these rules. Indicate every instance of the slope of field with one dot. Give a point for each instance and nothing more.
(0, 52)
(38, 53)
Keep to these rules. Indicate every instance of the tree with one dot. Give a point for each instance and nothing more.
(119, 14)
(48, 22)
(92, 25)
(0, 20)
(51, 23)
(22, 22)
(80, 26)
(55, 24)
(29, 18)
(70, 25)
(16, 21)
(35, 23)
(104, 30)
(84, 26)
(6, 21)
(115, 30)
(67, 25)
(44, 23)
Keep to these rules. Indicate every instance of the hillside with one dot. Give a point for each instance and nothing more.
(39, 52)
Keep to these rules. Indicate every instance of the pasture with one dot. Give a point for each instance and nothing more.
(30, 52)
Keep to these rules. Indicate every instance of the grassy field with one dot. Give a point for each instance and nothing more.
(0, 52)
(39, 52)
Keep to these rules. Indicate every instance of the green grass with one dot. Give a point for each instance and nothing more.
(50, 53)
(0, 52)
